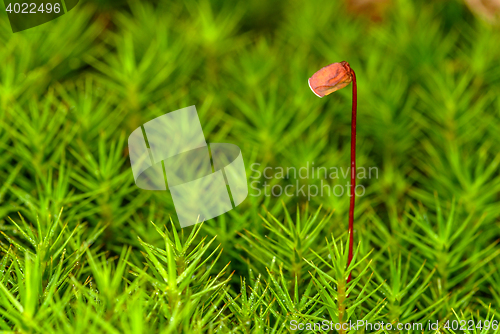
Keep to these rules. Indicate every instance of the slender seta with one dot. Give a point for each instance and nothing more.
(324, 82)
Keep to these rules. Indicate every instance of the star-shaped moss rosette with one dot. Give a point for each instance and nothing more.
(324, 82)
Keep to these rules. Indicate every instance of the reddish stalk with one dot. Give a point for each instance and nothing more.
(326, 81)
(353, 169)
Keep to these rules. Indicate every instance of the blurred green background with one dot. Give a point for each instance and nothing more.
(73, 89)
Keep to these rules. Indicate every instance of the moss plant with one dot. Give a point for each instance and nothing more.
(326, 81)
(84, 250)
